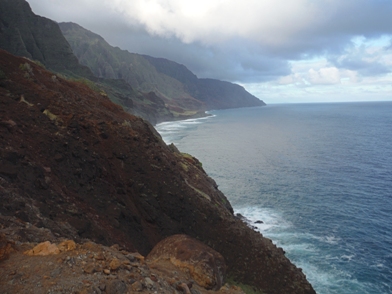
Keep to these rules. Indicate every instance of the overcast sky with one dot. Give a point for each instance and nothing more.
(279, 50)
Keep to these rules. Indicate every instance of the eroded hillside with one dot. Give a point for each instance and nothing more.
(75, 163)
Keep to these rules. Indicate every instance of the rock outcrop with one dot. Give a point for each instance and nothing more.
(59, 266)
(206, 266)
(76, 164)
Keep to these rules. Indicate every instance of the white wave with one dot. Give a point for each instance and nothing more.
(263, 219)
(347, 257)
(300, 247)
(331, 239)
(171, 129)
(182, 122)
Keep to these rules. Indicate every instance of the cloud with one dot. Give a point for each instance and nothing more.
(367, 57)
(278, 26)
(324, 76)
(248, 41)
(273, 24)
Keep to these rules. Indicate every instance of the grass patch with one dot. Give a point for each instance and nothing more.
(192, 159)
(93, 86)
(39, 63)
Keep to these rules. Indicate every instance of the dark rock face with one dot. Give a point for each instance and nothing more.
(19, 35)
(206, 266)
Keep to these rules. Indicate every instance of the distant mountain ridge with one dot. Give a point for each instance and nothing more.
(155, 89)
(214, 93)
(173, 82)
(111, 62)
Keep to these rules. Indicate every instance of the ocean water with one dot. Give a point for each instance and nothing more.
(319, 177)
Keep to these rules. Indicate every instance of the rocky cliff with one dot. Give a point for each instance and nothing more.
(181, 90)
(76, 164)
(112, 62)
(25, 34)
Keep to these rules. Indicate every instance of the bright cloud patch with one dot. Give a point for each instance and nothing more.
(324, 76)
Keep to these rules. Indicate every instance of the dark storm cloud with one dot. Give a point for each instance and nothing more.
(245, 41)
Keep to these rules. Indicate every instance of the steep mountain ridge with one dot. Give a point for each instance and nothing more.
(25, 34)
(214, 93)
(20, 36)
(177, 85)
(153, 88)
(112, 62)
(75, 163)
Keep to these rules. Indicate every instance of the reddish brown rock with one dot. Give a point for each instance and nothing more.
(44, 248)
(114, 264)
(67, 246)
(6, 247)
(206, 266)
(47, 248)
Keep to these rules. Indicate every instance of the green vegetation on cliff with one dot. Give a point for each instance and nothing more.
(111, 62)
(181, 90)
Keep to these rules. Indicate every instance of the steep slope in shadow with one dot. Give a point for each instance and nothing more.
(74, 162)
(25, 34)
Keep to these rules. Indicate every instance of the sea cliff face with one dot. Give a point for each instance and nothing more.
(182, 91)
(75, 163)
(155, 89)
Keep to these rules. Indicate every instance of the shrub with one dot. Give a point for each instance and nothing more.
(39, 63)
(28, 70)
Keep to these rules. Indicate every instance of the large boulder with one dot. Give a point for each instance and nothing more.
(206, 266)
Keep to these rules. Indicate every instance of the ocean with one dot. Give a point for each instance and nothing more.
(319, 177)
